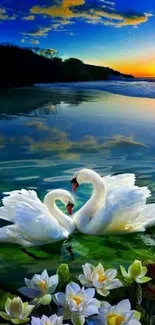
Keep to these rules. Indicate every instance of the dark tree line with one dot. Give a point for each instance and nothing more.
(25, 66)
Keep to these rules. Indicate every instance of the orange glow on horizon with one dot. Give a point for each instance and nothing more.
(142, 67)
(136, 69)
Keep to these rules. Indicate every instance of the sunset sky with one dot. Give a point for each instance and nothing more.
(115, 33)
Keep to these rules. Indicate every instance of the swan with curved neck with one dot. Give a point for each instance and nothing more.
(116, 205)
(66, 198)
(34, 222)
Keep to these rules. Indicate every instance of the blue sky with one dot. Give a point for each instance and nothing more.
(115, 33)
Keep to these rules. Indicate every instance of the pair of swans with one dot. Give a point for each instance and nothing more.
(116, 206)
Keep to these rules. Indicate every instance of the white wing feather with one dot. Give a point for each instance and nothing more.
(123, 179)
(122, 210)
(37, 224)
(7, 211)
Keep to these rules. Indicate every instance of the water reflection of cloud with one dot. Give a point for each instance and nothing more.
(59, 142)
(69, 156)
(28, 163)
(38, 125)
(118, 140)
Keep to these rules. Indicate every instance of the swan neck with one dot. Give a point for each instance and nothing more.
(63, 220)
(85, 217)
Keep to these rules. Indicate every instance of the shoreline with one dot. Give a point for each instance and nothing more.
(134, 89)
(103, 86)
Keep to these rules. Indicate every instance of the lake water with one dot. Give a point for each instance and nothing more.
(48, 133)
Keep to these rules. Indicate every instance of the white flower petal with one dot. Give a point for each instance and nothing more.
(100, 268)
(96, 302)
(90, 310)
(84, 281)
(60, 299)
(105, 305)
(134, 322)
(54, 319)
(36, 278)
(27, 310)
(28, 283)
(124, 306)
(7, 305)
(52, 288)
(54, 279)
(72, 305)
(44, 275)
(97, 284)
(30, 293)
(35, 321)
(44, 319)
(103, 292)
(72, 288)
(88, 269)
(113, 284)
(111, 274)
(90, 293)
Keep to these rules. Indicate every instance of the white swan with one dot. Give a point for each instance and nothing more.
(116, 206)
(35, 223)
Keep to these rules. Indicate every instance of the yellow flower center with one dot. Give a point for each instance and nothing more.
(14, 307)
(78, 299)
(101, 276)
(114, 319)
(48, 322)
(43, 284)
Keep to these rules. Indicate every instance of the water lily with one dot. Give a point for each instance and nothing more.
(120, 314)
(40, 287)
(44, 320)
(136, 272)
(97, 277)
(77, 303)
(16, 311)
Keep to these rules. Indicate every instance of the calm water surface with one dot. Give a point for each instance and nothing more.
(45, 136)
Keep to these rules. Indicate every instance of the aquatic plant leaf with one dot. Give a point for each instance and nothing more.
(144, 319)
(135, 292)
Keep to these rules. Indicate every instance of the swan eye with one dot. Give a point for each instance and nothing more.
(75, 184)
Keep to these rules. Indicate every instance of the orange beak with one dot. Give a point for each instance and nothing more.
(70, 207)
(74, 184)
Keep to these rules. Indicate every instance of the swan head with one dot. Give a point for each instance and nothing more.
(83, 176)
(64, 196)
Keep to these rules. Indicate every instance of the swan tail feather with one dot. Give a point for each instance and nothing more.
(127, 210)
(6, 214)
(7, 211)
(147, 216)
(131, 222)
